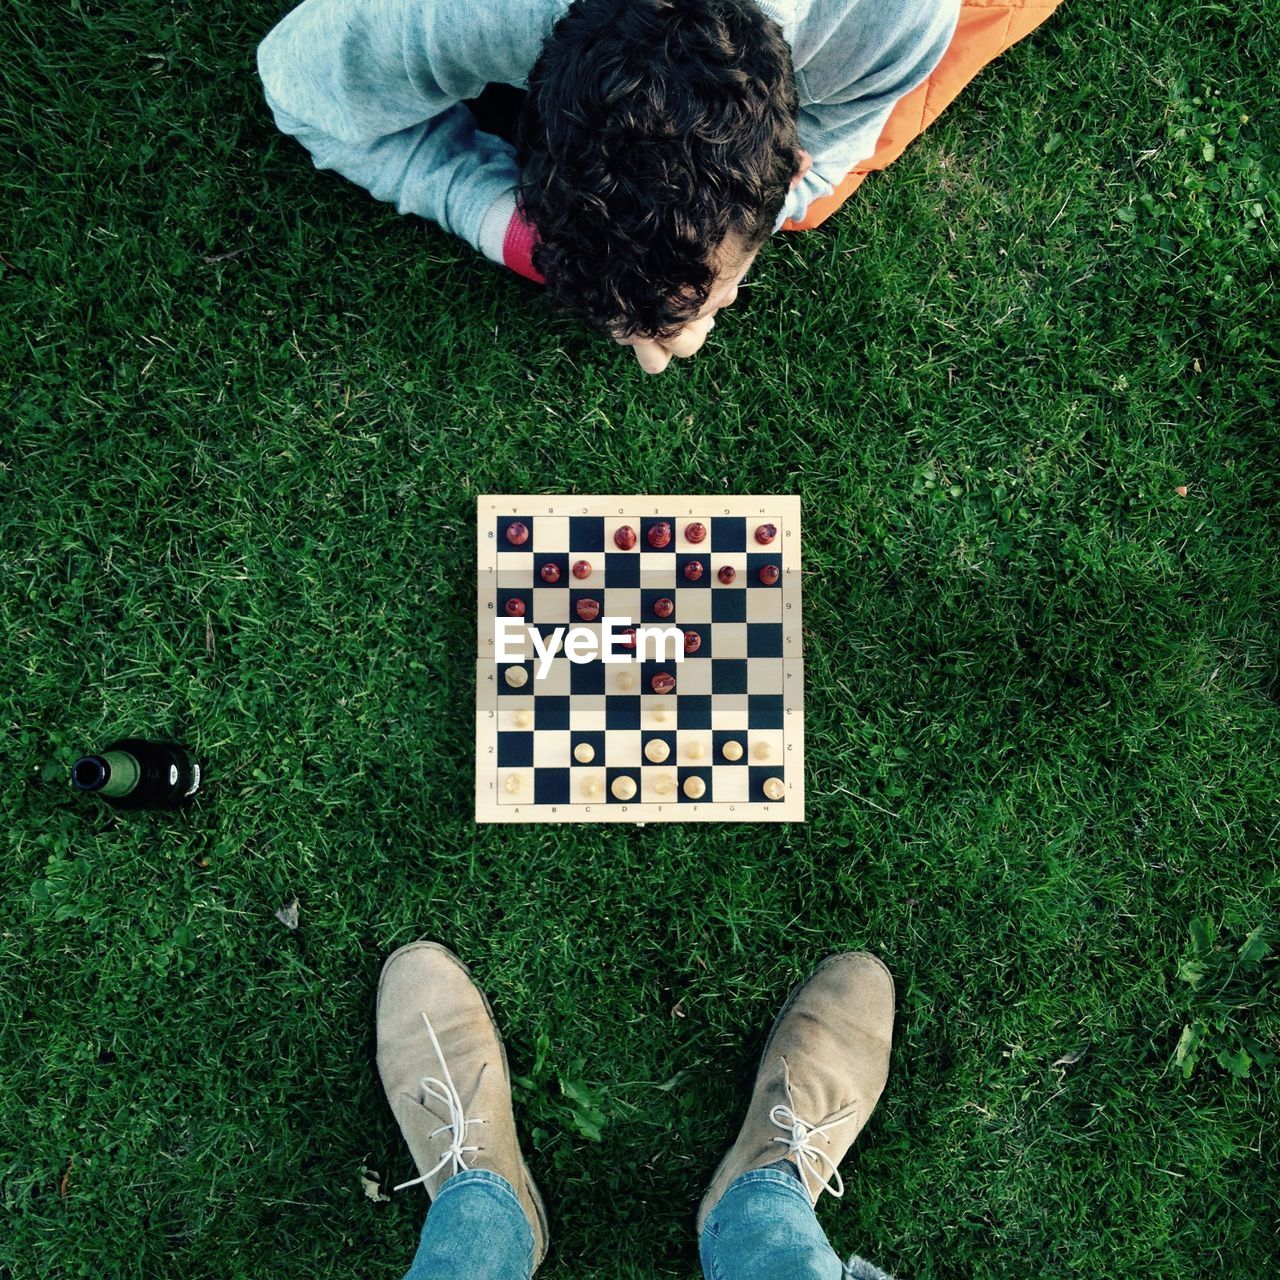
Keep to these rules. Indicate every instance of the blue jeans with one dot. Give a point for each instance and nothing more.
(763, 1228)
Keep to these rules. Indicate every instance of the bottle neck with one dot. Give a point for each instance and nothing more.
(114, 773)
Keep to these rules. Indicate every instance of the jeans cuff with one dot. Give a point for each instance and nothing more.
(770, 1173)
(860, 1269)
(468, 1177)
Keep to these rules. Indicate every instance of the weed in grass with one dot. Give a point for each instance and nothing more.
(1229, 987)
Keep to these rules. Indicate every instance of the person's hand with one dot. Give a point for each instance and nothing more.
(653, 356)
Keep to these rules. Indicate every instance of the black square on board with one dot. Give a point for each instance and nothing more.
(621, 569)
(515, 750)
(759, 774)
(586, 678)
(611, 774)
(667, 736)
(728, 605)
(551, 712)
(764, 640)
(650, 669)
(685, 774)
(648, 523)
(525, 597)
(650, 597)
(585, 593)
(728, 675)
(693, 711)
(765, 710)
(504, 523)
(757, 562)
(504, 689)
(551, 786)
(683, 581)
(719, 737)
(586, 533)
(594, 740)
(728, 533)
(561, 562)
(704, 649)
(621, 711)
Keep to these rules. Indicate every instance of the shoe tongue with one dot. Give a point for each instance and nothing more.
(419, 1118)
(438, 1109)
(814, 1081)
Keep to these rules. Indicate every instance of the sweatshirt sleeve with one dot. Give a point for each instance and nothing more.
(854, 62)
(374, 90)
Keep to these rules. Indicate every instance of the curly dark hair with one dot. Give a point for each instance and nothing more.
(652, 131)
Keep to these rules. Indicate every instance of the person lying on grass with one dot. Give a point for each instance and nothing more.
(660, 142)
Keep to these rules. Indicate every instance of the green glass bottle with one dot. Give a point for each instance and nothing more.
(134, 773)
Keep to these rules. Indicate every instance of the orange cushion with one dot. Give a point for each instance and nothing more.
(985, 30)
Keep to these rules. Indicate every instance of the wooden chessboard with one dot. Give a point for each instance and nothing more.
(563, 740)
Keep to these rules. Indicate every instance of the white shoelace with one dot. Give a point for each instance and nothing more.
(444, 1091)
(807, 1155)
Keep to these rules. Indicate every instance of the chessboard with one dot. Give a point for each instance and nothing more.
(639, 659)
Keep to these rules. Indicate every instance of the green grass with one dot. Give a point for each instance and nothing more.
(249, 412)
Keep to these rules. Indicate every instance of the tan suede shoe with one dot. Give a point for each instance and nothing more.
(444, 1068)
(823, 1070)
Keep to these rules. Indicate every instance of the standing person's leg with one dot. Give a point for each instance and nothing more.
(444, 1069)
(824, 1067)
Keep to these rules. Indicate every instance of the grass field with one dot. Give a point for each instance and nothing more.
(249, 412)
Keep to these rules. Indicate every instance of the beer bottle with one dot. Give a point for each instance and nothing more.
(133, 773)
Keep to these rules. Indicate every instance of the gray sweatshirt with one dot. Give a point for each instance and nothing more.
(374, 89)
